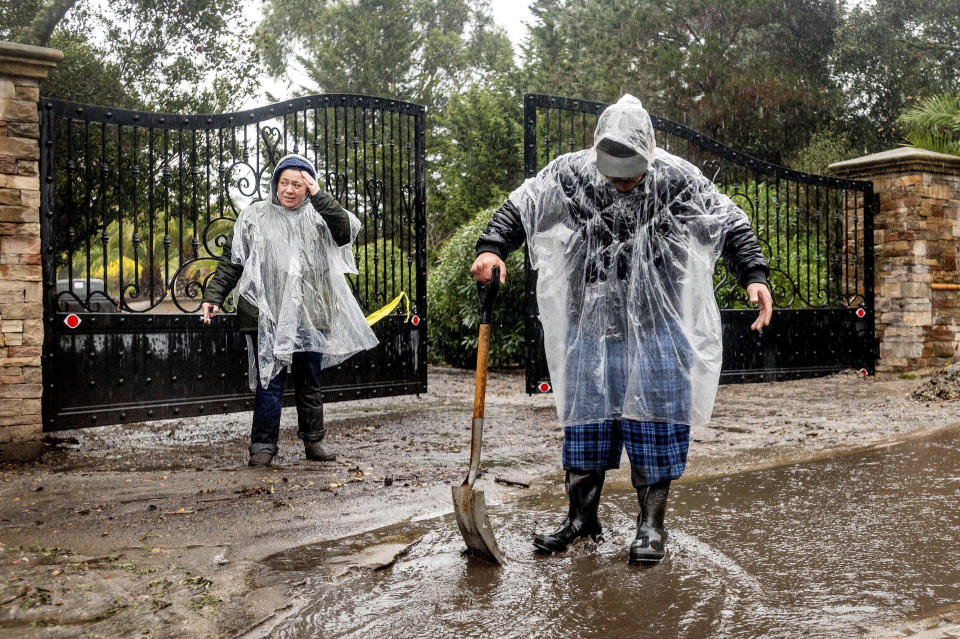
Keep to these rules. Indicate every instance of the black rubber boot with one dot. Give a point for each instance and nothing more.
(312, 430)
(315, 452)
(261, 458)
(583, 489)
(309, 396)
(648, 547)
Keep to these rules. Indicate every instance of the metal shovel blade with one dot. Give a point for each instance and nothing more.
(471, 512)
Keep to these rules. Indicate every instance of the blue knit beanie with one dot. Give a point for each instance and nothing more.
(293, 162)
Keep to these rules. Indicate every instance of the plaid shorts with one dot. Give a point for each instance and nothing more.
(605, 378)
(658, 450)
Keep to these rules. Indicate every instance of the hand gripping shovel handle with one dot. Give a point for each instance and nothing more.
(487, 293)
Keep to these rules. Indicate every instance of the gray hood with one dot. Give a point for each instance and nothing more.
(624, 139)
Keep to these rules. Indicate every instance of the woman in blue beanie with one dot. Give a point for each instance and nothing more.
(287, 258)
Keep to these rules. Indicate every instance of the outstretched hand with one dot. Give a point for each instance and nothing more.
(760, 296)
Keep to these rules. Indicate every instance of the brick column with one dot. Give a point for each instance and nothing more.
(22, 68)
(917, 239)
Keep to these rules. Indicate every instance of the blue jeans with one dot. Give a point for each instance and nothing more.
(268, 403)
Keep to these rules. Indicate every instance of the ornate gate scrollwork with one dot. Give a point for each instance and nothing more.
(138, 208)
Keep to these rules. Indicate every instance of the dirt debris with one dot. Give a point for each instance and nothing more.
(56, 593)
(942, 386)
(137, 532)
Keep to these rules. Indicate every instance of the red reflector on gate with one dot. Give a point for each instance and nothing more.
(544, 387)
(861, 312)
(72, 320)
(415, 320)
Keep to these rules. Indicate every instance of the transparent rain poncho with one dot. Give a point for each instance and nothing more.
(625, 288)
(293, 273)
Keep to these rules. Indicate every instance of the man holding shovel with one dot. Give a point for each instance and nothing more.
(624, 237)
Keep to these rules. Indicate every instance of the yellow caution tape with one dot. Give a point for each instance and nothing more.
(379, 314)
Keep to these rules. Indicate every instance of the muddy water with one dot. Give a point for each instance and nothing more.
(816, 550)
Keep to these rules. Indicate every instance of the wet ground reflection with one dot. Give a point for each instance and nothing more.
(816, 550)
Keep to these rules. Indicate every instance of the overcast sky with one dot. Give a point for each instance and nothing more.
(511, 15)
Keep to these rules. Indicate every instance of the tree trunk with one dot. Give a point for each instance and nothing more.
(46, 21)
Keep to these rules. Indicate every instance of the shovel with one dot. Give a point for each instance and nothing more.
(468, 504)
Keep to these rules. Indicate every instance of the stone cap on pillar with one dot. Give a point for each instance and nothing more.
(902, 160)
(27, 60)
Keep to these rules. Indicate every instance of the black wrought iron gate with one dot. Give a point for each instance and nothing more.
(135, 208)
(816, 231)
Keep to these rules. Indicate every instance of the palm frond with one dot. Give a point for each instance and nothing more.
(934, 124)
(933, 141)
(936, 112)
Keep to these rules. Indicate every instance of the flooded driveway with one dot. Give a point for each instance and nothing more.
(822, 549)
(168, 527)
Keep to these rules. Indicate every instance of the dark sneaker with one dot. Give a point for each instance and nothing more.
(315, 452)
(260, 459)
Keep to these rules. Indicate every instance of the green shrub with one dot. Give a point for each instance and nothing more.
(934, 124)
(453, 308)
(394, 273)
(823, 149)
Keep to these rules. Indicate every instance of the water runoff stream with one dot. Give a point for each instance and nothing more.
(820, 549)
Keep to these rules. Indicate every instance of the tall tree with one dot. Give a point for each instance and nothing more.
(85, 74)
(180, 55)
(445, 54)
(751, 73)
(477, 151)
(889, 54)
(417, 50)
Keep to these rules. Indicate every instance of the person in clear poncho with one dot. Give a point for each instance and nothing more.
(287, 257)
(624, 237)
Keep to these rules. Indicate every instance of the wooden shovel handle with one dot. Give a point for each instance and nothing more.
(486, 294)
(483, 352)
(476, 428)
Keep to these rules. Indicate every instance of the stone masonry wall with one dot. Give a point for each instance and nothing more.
(917, 241)
(21, 302)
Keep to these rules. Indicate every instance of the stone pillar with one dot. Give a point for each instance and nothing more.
(917, 240)
(22, 68)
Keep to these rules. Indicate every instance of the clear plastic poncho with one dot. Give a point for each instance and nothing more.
(293, 273)
(625, 288)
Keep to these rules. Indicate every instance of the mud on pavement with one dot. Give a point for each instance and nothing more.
(157, 529)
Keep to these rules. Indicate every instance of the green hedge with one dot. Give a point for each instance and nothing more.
(453, 311)
(394, 273)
